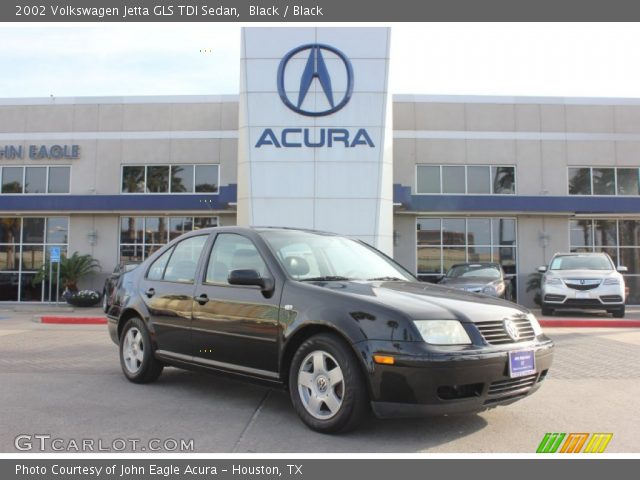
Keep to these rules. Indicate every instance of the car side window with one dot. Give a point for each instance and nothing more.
(233, 252)
(183, 263)
(157, 267)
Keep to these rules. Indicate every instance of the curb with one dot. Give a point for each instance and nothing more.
(590, 323)
(73, 320)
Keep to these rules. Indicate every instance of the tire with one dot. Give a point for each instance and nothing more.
(105, 302)
(619, 313)
(546, 311)
(327, 385)
(136, 354)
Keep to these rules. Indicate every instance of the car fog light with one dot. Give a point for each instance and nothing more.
(443, 332)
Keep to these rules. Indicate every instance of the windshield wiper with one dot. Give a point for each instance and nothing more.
(328, 278)
(386, 279)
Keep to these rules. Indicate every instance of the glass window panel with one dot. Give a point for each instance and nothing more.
(233, 252)
(478, 180)
(182, 178)
(204, 222)
(131, 229)
(428, 180)
(633, 283)
(479, 231)
(505, 256)
(150, 249)
(429, 260)
(130, 253)
(453, 180)
(453, 255)
(503, 180)
(581, 233)
(604, 181)
(32, 257)
(606, 233)
(504, 231)
(429, 232)
(12, 179)
(9, 230)
(629, 232)
(33, 293)
(453, 231)
(628, 181)
(9, 257)
(579, 181)
(9, 283)
(158, 266)
(133, 179)
(179, 225)
(57, 230)
(158, 179)
(206, 178)
(479, 254)
(33, 230)
(630, 258)
(183, 263)
(35, 180)
(59, 179)
(155, 230)
(612, 252)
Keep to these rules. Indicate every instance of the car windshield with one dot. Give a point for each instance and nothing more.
(581, 262)
(309, 256)
(485, 271)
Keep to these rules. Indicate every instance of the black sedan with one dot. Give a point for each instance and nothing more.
(339, 324)
(111, 282)
(485, 278)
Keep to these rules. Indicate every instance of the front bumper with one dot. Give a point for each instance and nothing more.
(450, 380)
(602, 297)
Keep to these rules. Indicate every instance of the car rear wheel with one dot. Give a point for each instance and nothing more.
(619, 313)
(105, 301)
(136, 355)
(326, 385)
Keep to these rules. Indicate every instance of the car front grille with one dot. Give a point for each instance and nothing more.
(582, 302)
(511, 388)
(583, 284)
(494, 332)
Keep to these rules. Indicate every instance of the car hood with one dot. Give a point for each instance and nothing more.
(583, 273)
(421, 301)
(466, 282)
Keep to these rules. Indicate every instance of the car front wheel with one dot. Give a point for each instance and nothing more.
(326, 385)
(619, 313)
(136, 355)
(105, 302)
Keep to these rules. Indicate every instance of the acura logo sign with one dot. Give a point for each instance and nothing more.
(316, 69)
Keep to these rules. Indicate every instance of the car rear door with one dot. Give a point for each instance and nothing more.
(235, 326)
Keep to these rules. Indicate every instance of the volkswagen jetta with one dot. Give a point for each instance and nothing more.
(339, 324)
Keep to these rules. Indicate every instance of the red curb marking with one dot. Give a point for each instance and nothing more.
(590, 323)
(75, 320)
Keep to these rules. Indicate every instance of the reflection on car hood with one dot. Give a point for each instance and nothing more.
(583, 273)
(461, 282)
(422, 301)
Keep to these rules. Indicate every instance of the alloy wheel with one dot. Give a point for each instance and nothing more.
(321, 385)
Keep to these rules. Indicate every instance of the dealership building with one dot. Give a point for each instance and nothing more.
(316, 140)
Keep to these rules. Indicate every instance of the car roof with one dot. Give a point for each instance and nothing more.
(258, 229)
(580, 254)
(480, 264)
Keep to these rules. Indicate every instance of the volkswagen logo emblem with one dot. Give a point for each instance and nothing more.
(323, 64)
(512, 329)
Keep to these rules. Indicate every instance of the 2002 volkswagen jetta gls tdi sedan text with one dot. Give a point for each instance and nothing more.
(338, 323)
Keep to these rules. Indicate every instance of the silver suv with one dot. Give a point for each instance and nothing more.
(583, 281)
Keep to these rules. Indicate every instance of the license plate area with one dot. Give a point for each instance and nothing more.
(583, 295)
(521, 363)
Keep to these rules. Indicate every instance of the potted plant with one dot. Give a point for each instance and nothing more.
(72, 270)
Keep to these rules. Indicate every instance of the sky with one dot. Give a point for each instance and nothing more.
(531, 59)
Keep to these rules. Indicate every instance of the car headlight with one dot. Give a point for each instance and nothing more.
(443, 332)
(552, 281)
(494, 289)
(535, 324)
(611, 281)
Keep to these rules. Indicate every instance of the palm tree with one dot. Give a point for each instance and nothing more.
(72, 269)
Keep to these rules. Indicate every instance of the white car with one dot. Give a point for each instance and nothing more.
(583, 281)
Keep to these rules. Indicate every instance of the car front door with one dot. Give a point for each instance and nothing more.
(167, 291)
(236, 327)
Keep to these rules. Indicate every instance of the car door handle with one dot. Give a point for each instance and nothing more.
(150, 292)
(202, 299)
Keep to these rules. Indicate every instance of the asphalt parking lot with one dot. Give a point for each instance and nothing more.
(65, 381)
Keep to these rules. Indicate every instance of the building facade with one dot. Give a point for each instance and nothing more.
(440, 180)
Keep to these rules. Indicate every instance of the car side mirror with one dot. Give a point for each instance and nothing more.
(622, 269)
(250, 277)
(542, 269)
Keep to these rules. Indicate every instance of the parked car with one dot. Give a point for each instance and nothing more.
(339, 324)
(486, 278)
(111, 282)
(583, 281)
